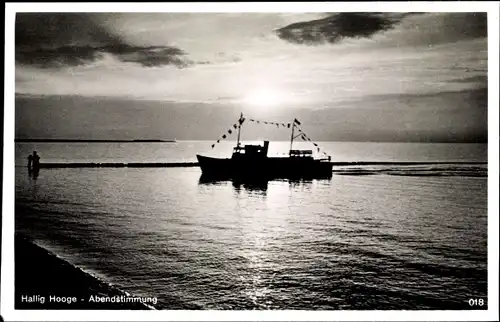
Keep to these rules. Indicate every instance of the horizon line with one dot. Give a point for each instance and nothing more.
(42, 140)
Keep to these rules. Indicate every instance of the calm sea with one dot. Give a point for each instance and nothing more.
(371, 237)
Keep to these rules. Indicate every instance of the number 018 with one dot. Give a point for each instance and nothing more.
(476, 302)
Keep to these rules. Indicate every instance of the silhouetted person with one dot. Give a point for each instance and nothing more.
(36, 162)
(30, 162)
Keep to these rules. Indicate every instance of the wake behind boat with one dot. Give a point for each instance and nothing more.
(252, 161)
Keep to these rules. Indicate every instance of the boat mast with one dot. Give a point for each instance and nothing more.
(291, 137)
(239, 130)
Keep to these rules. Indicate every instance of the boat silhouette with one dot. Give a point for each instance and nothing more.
(251, 161)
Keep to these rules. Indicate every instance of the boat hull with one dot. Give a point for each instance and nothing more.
(267, 168)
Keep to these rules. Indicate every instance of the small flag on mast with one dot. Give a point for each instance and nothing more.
(296, 121)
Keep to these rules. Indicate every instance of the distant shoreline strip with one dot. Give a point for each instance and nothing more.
(195, 164)
(91, 141)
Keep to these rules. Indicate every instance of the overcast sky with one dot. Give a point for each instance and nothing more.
(267, 63)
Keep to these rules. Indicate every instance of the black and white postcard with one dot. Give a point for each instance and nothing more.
(262, 161)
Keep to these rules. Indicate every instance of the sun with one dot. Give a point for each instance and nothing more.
(264, 98)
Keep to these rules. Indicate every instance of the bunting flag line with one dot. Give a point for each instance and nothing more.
(288, 125)
(230, 131)
(295, 123)
(278, 124)
(306, 138)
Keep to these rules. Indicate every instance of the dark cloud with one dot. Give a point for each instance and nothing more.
(466, 99)
(149, 56)
(61, 29)
(72, 39)
(466, 24)
(426, 28)
(480, 97)
(56, 57)
(478, 79)
(335, 27)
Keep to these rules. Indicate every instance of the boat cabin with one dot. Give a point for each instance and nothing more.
(251, 151)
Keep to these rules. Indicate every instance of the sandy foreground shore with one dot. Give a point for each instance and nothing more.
(43, 281)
